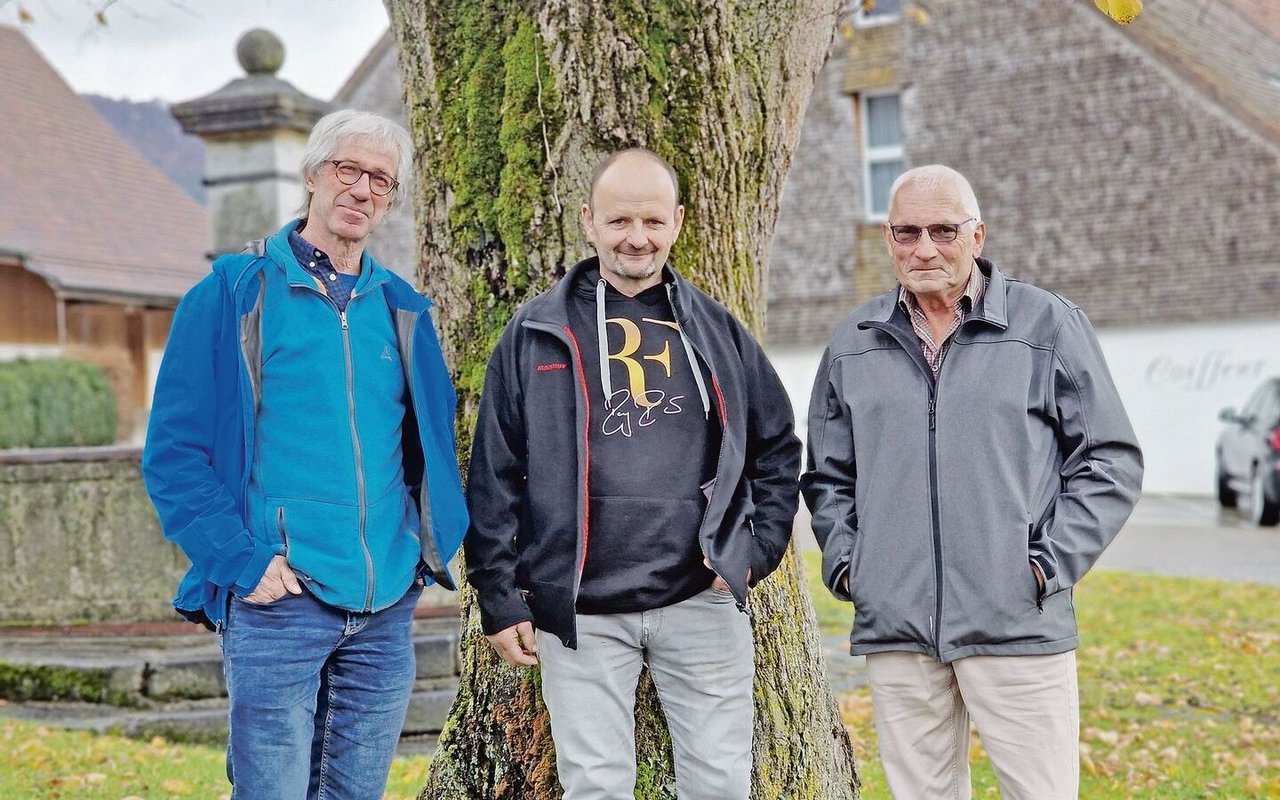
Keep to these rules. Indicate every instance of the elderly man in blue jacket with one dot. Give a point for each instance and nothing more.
(301, 453)
(969, 460)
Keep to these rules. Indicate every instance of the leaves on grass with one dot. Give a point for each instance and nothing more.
(1179, 693)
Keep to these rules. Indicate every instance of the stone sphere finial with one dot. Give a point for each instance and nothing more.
(260, 52)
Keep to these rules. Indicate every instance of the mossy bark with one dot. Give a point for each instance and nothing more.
(511, 104)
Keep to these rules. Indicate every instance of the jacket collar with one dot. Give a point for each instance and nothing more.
(994, 306)
(993, 309)
(280, 253)
(555, 309)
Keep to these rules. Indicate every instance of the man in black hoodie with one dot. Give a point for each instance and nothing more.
(634, 472)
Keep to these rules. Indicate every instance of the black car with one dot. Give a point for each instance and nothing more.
(1248, 454)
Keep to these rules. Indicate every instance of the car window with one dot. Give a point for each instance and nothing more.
(1253, 406)
(1269, 411)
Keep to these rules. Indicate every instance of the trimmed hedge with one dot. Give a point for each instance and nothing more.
(55, 403)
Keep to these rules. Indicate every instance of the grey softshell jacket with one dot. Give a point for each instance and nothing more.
(935, 498)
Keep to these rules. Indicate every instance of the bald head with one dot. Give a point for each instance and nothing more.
(629, 154)
(935, 179)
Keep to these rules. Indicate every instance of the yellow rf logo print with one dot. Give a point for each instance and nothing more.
(631, 341)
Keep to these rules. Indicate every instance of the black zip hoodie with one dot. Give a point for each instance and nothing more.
(529, 480)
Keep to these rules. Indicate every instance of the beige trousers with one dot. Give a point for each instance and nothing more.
(1026, 709)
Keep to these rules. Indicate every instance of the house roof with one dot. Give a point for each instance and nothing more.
(1264, 13)
(84, 209)
(366, 70)
(1230, 51)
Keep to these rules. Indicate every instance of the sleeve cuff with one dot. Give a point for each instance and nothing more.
(252, 574)
(500, 615)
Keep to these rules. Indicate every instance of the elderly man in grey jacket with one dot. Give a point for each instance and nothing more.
(969, 460)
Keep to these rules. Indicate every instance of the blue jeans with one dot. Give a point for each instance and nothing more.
(318, 697)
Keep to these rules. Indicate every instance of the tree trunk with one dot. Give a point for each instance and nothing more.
(511, 105)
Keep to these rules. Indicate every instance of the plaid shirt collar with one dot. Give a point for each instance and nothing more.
(935, 351)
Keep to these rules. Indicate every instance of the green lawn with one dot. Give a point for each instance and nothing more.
(41, 762)
(1179, 688)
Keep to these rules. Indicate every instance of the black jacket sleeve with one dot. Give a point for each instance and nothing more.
(772, 464)
(495, 495)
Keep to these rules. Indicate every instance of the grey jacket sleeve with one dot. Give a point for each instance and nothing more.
(1101, 463)
(829, 478)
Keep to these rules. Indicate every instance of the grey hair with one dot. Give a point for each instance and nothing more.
(932, 177)
(333, 129)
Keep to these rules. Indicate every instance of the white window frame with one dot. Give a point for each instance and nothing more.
(862, 20)
(875, 155)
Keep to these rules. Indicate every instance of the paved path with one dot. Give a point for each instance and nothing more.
(1192, 537)
(1182, 536)
(1173, 535)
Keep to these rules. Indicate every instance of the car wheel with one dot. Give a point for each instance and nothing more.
(1263, 510)
(1226, 495)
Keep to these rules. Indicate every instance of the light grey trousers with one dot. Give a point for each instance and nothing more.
(700, 655)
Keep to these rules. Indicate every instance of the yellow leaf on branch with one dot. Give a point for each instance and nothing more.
(1122, 11)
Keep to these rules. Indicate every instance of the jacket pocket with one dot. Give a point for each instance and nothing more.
(283, 528)
(322, 543)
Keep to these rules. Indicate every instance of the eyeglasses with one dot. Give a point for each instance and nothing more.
(349, 172)
(940, 233)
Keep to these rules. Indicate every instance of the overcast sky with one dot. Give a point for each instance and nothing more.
(181, 49)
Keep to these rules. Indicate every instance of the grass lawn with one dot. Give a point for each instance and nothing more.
(1179, 689)
(41, 762)
(1179, 692)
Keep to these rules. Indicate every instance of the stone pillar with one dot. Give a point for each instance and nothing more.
(254, 129)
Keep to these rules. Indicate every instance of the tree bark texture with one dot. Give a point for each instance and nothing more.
(511, 105)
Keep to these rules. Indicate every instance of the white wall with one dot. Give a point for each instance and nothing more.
(12, 352)
(1173, 380)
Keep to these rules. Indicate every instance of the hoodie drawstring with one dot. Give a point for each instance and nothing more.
(688, 352)
(602, 337)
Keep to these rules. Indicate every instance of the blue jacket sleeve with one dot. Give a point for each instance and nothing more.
(180, 462)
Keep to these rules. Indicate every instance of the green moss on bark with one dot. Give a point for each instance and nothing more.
(521, 98)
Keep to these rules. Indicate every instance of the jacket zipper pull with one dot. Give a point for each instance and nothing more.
(342, 315)
(933, 403)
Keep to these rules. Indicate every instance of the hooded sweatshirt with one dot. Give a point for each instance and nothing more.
(651, 444)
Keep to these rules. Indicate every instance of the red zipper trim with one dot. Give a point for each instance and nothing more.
(724, 414)
(586, 443)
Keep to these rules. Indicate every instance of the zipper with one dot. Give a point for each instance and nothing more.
(284, 530)
(565, 335)
(586, 459)
(361, 497)
(724, 425)
(909, 343)
(935, 623)
(359, 455)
